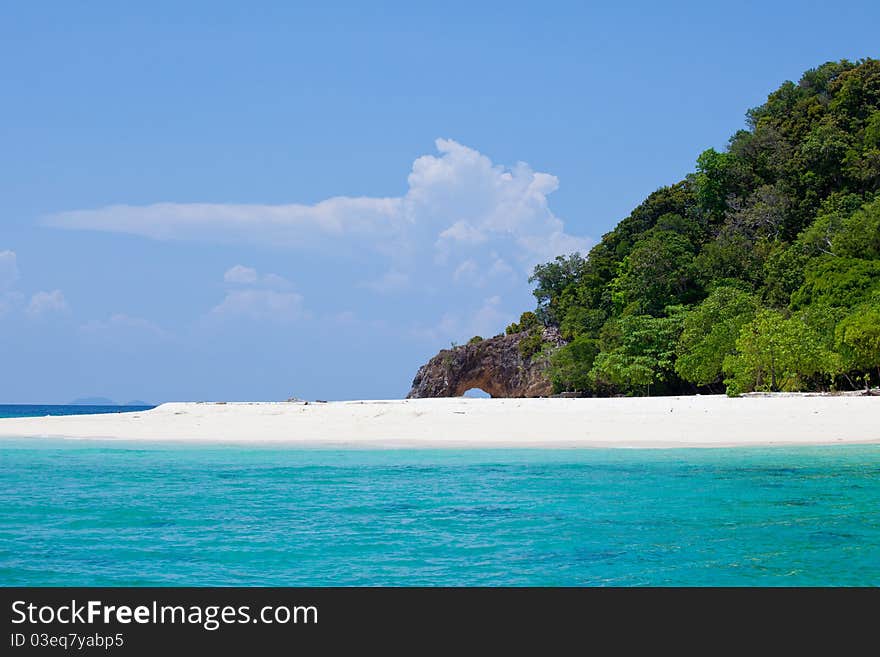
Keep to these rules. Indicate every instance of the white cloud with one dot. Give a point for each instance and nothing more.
(275, 225)
(474, 201)
(459, 205)
(8, 269)
(124, 326)
(261, 305)
(462, 231)
(43, 303)
(464, 225)
(240, 274)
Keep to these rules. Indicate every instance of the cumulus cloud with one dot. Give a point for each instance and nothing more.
(465, 227)
(8, 269)
(43, 303)
(457, 203)
(474, 201)
(462, 231)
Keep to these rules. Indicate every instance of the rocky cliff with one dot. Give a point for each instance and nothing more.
(496, 366)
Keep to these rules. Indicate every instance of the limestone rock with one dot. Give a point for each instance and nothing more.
(496, 366)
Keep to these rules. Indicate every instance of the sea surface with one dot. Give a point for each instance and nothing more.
(42, 410)
(110, 513)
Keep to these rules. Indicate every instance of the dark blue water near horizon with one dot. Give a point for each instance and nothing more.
(42, 410)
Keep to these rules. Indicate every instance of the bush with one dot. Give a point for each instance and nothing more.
(858, 338)
(837, 281)
(859, 236)
(710, 332)
(570, 365)
(531, 343)
(527, 321)
(776, 354)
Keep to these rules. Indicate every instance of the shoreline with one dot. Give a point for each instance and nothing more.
(460, 423)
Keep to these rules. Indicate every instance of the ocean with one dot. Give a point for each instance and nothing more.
(127, 514)
(42, 410)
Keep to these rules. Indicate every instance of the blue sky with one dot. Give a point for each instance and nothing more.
(208, 200)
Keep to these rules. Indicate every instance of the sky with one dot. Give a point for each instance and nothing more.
(255, 201)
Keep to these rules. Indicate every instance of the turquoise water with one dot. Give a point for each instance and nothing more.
(96, 513)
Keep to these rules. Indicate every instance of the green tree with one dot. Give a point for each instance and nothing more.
(570, 365)
(818, 238)
(783, 273)
(859, 235)
(734, 254)
(788, 213)
(775, 353)
(642, 355)
(858, 338)
(527, 321)
(710, 332)
(551, 280)
(531, 343)
(657, 273)
(580, 320)
(712, 181)
(834, 281)
(624, 372)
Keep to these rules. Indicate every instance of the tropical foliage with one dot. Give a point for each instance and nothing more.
(758, 271)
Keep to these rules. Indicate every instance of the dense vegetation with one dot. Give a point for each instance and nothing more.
(759, 271)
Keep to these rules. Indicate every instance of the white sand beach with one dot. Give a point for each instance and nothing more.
(658, 422)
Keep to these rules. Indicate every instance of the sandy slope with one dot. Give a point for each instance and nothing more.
(702, 421)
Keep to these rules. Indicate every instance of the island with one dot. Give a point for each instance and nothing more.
(738, 306)
(758, 272)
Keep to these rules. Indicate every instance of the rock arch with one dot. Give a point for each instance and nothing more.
(495, 366)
